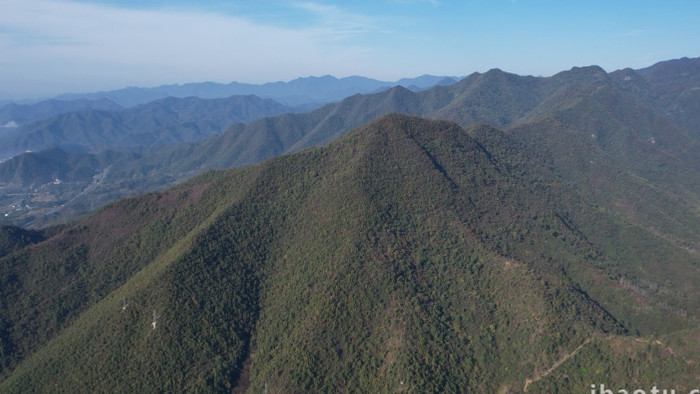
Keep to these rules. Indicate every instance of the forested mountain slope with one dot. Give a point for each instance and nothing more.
(497, 98)
(33, 169)
(161, 122)
(407, 255)
(674, 86)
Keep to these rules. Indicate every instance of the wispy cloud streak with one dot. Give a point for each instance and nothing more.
(335, 23)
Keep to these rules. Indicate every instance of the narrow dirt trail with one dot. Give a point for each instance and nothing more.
(538, 376)
(658, 342)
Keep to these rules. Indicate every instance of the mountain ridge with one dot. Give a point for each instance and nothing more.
(19, 114)
(406, 254)
(495, 97)
(162, 121)
(297, 92)
(498, 98)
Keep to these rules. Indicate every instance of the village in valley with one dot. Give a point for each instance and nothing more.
(25, 205)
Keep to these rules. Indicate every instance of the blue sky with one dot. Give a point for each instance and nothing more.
(54, 46)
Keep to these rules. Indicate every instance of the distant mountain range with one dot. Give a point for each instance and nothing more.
(176, 138)
(496, 97)
(301, 94)
(163, 121)
(13, 115)
(295, 93)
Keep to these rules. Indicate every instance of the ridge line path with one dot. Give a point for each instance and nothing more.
(665, 347)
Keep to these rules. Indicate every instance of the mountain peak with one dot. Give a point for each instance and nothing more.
(395, 125)
(582, 74)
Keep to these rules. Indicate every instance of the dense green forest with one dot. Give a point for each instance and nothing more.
(409, 255)
(524, 245)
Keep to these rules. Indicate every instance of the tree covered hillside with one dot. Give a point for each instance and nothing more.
(409, 255)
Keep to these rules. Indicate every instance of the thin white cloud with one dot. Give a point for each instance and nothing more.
(633, 33)
(336, 23)
(71, 46)
(433, 2)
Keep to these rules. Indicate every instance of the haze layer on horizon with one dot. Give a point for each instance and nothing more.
(57, 46)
